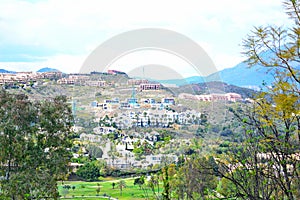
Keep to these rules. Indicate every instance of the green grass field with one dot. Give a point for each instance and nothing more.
(87, 190)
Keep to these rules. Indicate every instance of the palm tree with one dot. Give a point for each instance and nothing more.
(121, 185)
(152, 183)
(98, 189)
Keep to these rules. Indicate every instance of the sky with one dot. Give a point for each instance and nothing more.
(62, 33)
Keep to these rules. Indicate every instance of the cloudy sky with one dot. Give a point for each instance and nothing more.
(62, 33)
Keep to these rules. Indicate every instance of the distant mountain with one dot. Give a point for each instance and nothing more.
(6, 71)
(243, 76)
(47, 69)
(240, 75)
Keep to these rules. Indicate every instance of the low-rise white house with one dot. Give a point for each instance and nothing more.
(104, 130)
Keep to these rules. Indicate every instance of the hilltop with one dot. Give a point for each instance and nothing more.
(47, 69)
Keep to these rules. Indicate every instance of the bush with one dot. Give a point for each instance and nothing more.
(88, 172)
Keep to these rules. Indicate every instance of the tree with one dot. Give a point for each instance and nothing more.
(152, 183)
(98, 189)
(113, 185)
(269, 161)
(139, 181)
(166, 183)
(244, 172)
(196, 178)
(121, 185)
(68, 187)
(34, 141)
(89, 172)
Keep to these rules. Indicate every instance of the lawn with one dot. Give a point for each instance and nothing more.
(87, 190)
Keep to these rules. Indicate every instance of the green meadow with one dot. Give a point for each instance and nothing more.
(90, 191)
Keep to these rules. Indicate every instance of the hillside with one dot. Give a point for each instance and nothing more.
(213, 87)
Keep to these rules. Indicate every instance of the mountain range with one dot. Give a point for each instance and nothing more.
(240, 75)
(45, 69)
(6, 71)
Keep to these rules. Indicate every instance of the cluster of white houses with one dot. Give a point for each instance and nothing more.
(125, 146)
(147, 118)
(233, 97)
(82, 80)
(23, 77)
(130, 103)
(155, 118)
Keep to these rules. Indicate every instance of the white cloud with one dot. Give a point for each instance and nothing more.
(72, 28)
(226, 61)
(64, 63)
(154, 57)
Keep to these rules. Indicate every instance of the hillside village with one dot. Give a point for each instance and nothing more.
(134, 120)
(178, 100)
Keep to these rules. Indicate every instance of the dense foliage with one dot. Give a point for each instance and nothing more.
(89, 172)
(34, 142)
(266, 165)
